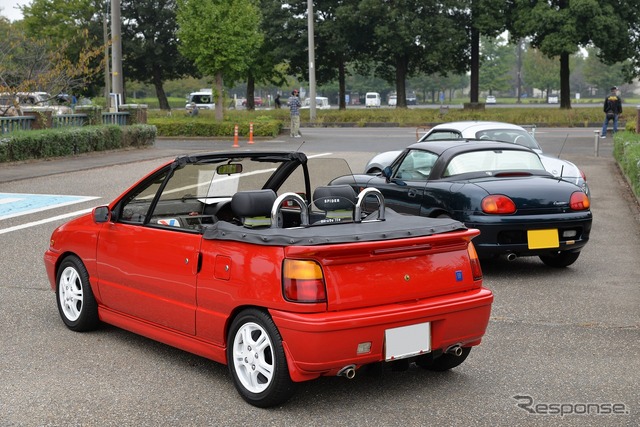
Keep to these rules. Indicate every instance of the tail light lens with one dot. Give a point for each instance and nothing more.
(476, 270)
(498, 204)
(579, 201)
(303, 281)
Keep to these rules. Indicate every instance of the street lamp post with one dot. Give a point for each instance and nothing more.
(117, 85)
(312, 69)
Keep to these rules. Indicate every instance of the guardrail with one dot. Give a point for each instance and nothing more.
(65, 120)
(115, 118)
(14, 123)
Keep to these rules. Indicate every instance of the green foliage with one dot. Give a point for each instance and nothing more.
(271, 122)
(626, 151)
(48, 143)
(204, 125)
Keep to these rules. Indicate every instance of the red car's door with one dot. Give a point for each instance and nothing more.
(149, 273)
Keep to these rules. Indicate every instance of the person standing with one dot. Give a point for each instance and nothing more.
(612, 109)
(277, 101)
(294, 110)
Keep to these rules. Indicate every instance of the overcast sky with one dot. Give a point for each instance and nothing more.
(8, 9)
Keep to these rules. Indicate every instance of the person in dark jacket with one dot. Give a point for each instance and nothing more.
(612, 109)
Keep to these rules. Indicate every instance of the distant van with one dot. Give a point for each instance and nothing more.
(372, 99)
(322, 103)
(202, 98)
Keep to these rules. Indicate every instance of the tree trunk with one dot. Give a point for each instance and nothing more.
(217, 96)
(474, 91)
(401, 76)
(251, 88)
(565, 84)
(160, 94)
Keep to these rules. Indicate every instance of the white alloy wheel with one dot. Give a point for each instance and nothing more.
(253, 357)
(71, 294)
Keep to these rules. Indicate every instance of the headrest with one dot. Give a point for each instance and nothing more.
(253, 203)
(334, 197)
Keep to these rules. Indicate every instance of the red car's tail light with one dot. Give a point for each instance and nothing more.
(476, 270)
(303, 281)
(498, 204)
(579, 201)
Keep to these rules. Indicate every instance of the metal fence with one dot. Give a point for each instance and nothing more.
(15, 123)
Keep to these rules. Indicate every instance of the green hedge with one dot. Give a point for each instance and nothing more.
(42, 144)
(626, 151)
(204, 125)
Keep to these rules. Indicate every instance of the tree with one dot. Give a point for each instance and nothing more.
(221, 37)
(75, 24)
(150, 45)
(602, 76)
(483, 18)
(496, 59)
(559, 27)
(411, 36)
(30, 65)
(540, 71)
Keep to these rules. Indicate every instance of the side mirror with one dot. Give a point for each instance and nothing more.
(386, 172)
(101, 214)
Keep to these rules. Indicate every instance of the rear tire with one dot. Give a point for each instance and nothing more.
(256, 359)
(444, 362)
(561, 260)
(76, 303)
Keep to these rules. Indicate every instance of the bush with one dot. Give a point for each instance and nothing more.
(271, 122)
(626, 151)
(48, 143)
(205, 125)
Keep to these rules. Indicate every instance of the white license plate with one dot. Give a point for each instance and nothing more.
(407, 341)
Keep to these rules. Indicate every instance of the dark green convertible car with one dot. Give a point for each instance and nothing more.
(499, 188)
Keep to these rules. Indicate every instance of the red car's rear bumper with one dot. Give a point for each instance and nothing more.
(323, 343)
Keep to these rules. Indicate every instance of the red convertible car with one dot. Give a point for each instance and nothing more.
(250, 260)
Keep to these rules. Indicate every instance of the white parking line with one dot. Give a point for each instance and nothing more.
(44, 221)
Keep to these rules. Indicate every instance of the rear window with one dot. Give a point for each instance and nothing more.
(493, 161)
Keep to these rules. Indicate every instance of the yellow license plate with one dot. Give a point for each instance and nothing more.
(543, 239)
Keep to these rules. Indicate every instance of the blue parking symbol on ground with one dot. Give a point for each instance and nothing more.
(16, 204)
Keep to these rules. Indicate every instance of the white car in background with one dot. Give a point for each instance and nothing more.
(492, 131)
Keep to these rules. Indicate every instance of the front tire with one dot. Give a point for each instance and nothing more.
(443, 363)
(256, 359)
(561, 260)
(76, 303)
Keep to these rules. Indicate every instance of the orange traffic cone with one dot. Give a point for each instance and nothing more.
(235, 137)
(250, 133)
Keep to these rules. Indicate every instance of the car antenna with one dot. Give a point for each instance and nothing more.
(300, 146)
(562, 146)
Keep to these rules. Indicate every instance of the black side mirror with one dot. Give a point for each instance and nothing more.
(386, 172)
(101, 214)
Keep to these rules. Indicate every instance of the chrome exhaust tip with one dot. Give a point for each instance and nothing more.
(456, 350)
(348, 372)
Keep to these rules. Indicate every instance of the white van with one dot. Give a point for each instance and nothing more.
(372, 99)
(322, 103)
(202, 98)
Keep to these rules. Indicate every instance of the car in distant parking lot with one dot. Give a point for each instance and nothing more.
(496, 131)
(500, 188)
(491, 99)
(552, 100)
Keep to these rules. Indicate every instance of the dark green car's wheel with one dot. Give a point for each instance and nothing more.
(561, 260)
(76, 303)
(256, 360)
(443, 363)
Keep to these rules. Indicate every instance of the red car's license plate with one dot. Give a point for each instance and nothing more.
(407, 341)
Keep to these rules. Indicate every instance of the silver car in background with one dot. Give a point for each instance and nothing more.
(492, 131)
